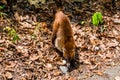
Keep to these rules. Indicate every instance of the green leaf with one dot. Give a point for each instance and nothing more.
(97, 18)
(12, 33)
(2, 14)
(2, 7)
(15, 37)
(100, 17)
(6, 29)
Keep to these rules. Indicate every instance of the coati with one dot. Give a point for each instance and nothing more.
(62, 37)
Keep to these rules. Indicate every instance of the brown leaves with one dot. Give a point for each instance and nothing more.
(49, 66)
(8, 75)
(56, 73)
(100, 73)
(34, 57)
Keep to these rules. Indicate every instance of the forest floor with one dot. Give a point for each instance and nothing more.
(33, 57)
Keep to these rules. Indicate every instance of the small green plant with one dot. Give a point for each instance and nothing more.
(2, 7)
(12, 33)
(2, 14)
(97, 18)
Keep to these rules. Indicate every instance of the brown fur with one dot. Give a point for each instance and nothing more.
(62, 37)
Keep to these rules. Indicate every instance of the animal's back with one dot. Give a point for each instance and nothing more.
(64, 26)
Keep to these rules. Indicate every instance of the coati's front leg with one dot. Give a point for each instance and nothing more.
(54, 34)
(54, 37)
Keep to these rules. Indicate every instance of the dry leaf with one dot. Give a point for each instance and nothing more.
(72, 78)
(8, 75)
(26, 25)
(109, 55)
(1, 48)
(112, 44)
(2, 41)
(44, 24)
(17, 17)
(94, 41)
(87, 61)
(49, 66)
(25, 55)
(100, 73)
(10, 64)
(34, 57)
(57, 73)
(116, 21)
(1, 59)
(23, 79)
(102, 47)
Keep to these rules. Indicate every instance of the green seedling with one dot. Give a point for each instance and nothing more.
(2, 14)
(12, 33)
(2, 7)
(97, 18)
